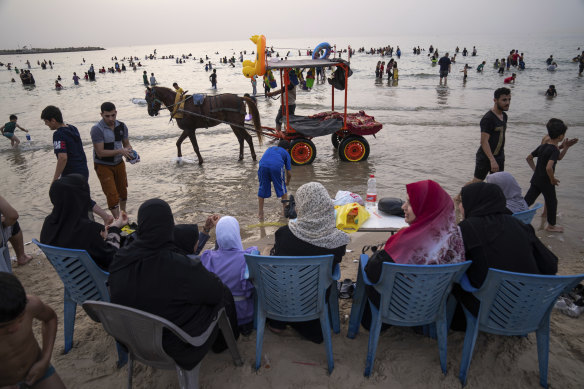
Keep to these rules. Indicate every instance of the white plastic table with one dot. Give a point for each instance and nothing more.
(382, 222)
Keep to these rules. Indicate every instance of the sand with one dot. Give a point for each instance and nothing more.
(404, 359)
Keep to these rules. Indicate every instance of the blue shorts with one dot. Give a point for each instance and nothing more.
(266, 176)
(9, 134)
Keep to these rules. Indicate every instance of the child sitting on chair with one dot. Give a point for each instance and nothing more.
(22, 362)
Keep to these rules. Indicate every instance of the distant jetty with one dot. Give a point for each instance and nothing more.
(55, 50)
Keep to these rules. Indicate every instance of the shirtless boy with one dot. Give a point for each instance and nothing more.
(23, 364)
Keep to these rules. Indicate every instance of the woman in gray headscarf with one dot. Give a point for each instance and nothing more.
(511, 190)
(314, 232)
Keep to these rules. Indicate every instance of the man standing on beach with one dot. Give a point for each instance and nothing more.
(110, 145)
(68, 149)
(445, 67)
(490, 156)
(145, 77)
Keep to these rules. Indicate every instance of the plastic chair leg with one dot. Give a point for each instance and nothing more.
(374, 332)
(543, 349)
(442, 335)
(333, 304)
(470, 338)
(328, 342)
(229, 338)
(359, 301)
(188, 379)
(69, 313)
(261, 320)
(122, 356)
(130, 372)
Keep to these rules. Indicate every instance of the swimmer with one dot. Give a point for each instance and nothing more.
(551, 92)
(8, 131)
(481, 66)
(510, 80)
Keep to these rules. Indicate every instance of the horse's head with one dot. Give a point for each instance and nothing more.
(152, 102)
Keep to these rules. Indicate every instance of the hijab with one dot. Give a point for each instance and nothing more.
(68, 225)
(433, 238)
(316, 218)
(484, 207)
(185, 237)
(153, 235)
(511, 190)
(227, 259)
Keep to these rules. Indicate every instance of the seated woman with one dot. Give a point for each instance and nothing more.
(228, 263)
(314, 232)
(511, 190)
(189, 240)
(150, 275)
(69, 226)
(494, 239)
(432, 238)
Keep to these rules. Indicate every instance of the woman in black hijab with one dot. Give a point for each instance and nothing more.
(149, 274)
(69, 226)
(495, 239)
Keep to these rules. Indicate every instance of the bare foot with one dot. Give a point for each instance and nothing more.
(24, 260)
(554, 228)
(275, 330)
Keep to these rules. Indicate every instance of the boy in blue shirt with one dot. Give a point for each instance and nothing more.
(273, 164)
(543, 180)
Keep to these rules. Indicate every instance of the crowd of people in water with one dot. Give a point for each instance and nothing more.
(198, 281)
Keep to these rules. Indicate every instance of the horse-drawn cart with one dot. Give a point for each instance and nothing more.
(347, 130)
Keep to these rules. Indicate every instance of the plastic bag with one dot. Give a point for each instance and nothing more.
(350, 217)
(345, 197)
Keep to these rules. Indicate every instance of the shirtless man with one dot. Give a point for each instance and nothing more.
(23, 364)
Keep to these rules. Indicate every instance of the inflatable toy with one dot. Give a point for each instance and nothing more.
(324, 46)
(257, 67)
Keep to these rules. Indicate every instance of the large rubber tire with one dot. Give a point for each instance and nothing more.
(354, 148)
(336, 140)
(302, 151)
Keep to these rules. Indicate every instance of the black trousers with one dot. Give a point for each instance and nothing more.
(549, 195)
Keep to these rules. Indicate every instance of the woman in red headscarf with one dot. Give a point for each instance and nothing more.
(432, 238)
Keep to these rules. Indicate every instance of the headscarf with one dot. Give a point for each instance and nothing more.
(68, 225)
(185, 237)
(511, 190)
(433, 238)
(228, 234)
(484, 206)
(316, 218)
(154, 235)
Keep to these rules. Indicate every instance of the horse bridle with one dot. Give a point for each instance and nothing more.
(154, 98)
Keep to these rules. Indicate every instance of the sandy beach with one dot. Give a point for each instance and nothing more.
(404, 359)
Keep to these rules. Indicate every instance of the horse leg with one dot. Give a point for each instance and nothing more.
(249, 141)
(237, 132)
(181, 138)
(193, 138)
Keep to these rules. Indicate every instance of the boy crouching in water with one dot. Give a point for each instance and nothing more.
(23, 364)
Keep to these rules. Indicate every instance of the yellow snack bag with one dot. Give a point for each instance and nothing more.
(350, 217)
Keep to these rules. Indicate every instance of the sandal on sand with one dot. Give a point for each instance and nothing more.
(346, 288)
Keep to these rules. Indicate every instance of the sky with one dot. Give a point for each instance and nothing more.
(112, 23)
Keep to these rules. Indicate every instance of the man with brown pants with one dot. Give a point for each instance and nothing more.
(110, 145)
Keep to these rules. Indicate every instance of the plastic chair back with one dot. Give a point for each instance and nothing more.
(413, 295)
(83, 279)
(515, 303)
(527, 216)
(291, 288)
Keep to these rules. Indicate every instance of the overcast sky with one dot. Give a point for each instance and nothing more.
(109, 23)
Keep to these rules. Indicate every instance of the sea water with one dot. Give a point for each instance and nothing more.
(429, 131)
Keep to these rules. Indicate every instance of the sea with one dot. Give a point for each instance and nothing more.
(429, 131)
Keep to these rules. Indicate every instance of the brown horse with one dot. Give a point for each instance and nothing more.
(224, 108)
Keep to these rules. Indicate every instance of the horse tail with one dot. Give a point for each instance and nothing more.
(255, 115)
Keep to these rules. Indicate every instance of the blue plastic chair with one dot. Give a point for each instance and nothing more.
(411, 295)
(142, 333)
(527, 216)
(83, 280)
(292, 289)
(514, 304)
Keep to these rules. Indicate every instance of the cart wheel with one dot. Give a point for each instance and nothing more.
(335, 139)
(354, 148)
(302, 151)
